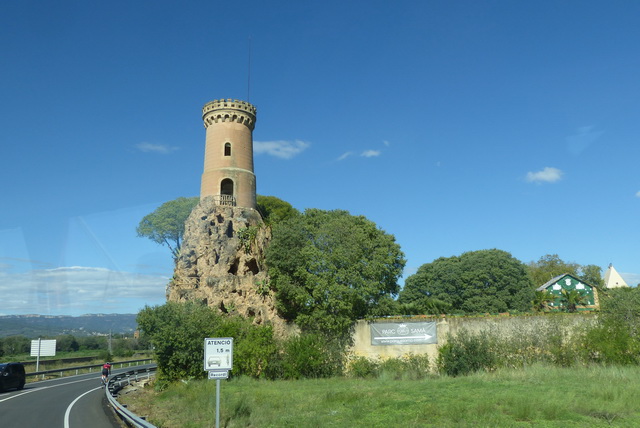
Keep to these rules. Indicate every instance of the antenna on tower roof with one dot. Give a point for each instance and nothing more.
(249, 73)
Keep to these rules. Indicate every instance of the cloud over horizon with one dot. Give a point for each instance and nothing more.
(281, 148)
(547, 175)
(78, 290)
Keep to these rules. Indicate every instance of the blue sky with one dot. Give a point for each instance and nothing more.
(453, 125)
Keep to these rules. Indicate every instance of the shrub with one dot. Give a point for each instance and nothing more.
(409, 366)
(466, 353)
(363, 368)
(310, 355)
(177, 332)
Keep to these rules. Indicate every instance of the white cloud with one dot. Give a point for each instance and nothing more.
(370, 153)
(345, 155)
(281, 148)
(162, 149)
(386, 143)
(547, 175)
(638, 194)
(79, 290)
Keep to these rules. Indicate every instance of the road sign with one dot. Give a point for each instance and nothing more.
(218, 374)
(218, 353)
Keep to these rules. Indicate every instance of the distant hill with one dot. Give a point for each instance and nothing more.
(34, 326)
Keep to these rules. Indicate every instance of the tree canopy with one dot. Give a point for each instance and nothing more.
(551, 265)
(165, 225)
(477, 281)
(274, 210)
(329, 268)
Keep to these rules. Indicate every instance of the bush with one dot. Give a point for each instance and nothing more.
(363, 368)
(466, 353)
(407, 367)
(611, 344)
(311, 355)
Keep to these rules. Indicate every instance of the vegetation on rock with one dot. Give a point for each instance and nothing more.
(165, 226)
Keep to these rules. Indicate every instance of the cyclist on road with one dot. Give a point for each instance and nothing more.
(106, 371)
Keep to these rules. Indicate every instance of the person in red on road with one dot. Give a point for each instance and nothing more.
(106, 371)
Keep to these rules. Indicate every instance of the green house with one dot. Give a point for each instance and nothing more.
(568, 282)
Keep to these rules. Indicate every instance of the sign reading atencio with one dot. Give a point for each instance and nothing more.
(218, 353)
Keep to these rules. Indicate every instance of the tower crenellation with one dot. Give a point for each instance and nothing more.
(229, 110)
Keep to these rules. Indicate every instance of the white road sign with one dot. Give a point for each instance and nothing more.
(214, 374)
(43, 348)
(218, 353)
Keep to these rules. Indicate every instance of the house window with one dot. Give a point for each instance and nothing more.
(227, 149)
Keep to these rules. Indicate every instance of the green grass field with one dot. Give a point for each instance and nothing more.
(539, 396)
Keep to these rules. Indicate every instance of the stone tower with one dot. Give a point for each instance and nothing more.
(228, 157)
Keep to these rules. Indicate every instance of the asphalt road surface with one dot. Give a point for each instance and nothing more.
(69, 402)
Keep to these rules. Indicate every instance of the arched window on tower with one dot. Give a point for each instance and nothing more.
(226, 192)
(227, 149)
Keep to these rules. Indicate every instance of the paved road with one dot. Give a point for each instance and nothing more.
(70, 402)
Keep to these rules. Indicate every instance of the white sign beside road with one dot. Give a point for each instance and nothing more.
(218, 353)
(214, 374)
(43, 348)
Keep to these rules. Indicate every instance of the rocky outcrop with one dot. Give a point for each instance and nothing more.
(221, 263)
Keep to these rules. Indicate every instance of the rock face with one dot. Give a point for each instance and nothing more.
(221, 263)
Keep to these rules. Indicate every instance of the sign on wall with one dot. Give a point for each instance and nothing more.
(410, 333)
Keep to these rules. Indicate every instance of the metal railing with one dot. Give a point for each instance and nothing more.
(90, 367)
(119, 381)
(229, 200)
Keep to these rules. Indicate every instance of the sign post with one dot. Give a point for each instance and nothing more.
(218, 360)
(44, 348)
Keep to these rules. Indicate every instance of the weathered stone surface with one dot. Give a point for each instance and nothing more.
(221, 263)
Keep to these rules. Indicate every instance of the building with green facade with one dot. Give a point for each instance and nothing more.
(561, 284)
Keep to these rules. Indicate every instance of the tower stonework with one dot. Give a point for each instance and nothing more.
(228, 158)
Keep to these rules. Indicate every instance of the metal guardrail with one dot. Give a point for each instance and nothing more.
(90, 367)
(119, 381)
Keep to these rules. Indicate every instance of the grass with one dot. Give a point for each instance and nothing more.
(539, 396)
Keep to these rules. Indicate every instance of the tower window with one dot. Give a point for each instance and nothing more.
(226, 187)
(227, 149)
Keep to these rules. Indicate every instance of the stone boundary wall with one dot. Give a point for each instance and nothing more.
(446, 326)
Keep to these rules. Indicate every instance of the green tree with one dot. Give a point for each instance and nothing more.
(329, 268)
(165, 226)
(592, 274)
(477, 281)
(551, 265)
(67, 343)
(177, 332)
(14, 345)
(541, 300)
(616, 337)
(571, 299)
(274, 210)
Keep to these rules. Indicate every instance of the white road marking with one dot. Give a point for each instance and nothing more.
(68, 412)
(45, 387)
